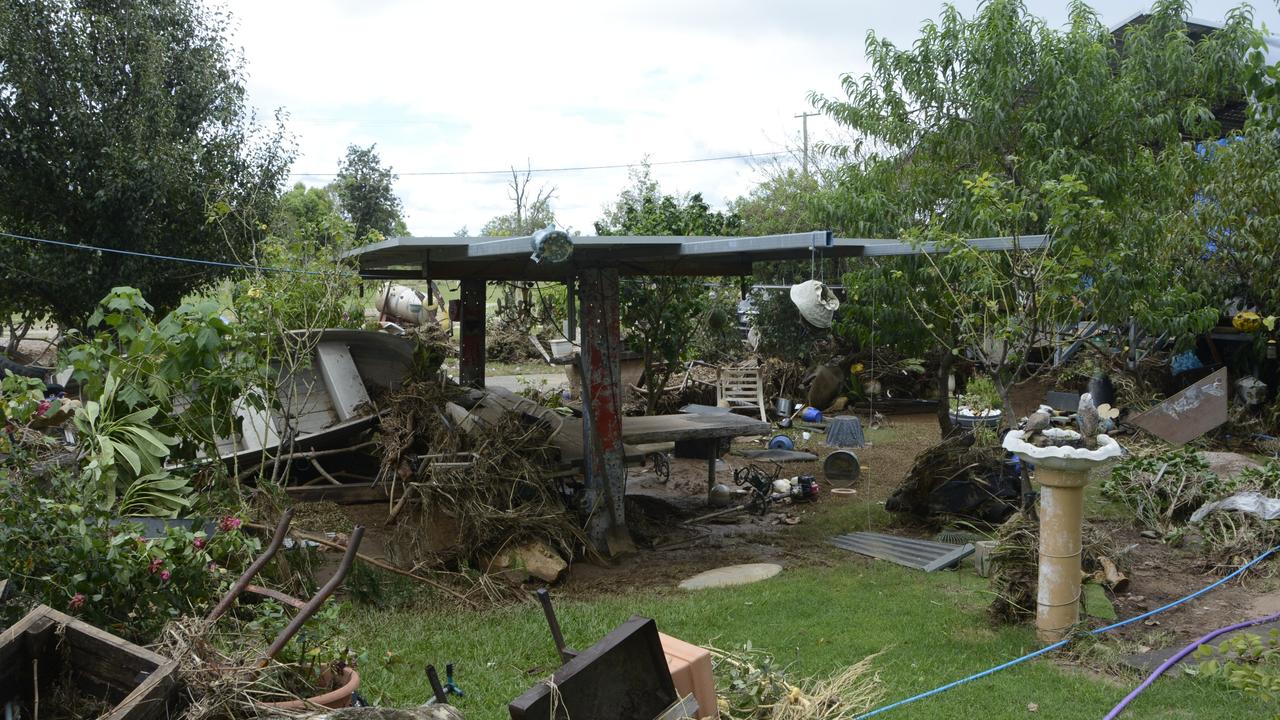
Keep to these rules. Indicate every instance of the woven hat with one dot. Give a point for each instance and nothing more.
(816, 302)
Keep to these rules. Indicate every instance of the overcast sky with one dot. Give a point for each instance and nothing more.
(465, 86)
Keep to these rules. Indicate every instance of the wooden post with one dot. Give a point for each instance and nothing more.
(471, 362)
(604, 463)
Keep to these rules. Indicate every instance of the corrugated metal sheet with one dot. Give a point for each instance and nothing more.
(919, 554)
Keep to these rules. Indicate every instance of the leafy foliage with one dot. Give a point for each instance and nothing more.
(1247, 662)
(662, 314)
(997, 124)
(1163, 490)
(188, 369)
(73, 556)
(124, 125)
(366, 196)
(126, 451)
(314, 287)
(1238, 214)
(311, 215)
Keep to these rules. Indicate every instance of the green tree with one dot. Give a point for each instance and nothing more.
(662, 314)
(366, 194)
(311, 215)
(1001, 111)
(123, 125)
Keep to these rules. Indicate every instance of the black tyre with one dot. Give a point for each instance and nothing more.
(17, 368)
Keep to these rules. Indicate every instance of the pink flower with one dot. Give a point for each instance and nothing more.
(199, 543)
(77, 601)
(43, 407)
(164, 576)
(229, 523)
(155, 565)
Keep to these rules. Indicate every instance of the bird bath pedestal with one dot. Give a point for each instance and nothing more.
(1062, 472)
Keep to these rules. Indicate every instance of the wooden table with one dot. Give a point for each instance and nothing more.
(694, 435)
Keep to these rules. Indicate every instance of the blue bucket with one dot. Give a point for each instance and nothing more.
(811, 414)
(781, 442)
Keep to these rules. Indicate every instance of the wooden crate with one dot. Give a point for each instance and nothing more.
(141, 683)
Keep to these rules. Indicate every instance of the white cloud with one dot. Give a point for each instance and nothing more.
(443, 86)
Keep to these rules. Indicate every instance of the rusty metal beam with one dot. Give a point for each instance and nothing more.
(604, 469)
(471, 362)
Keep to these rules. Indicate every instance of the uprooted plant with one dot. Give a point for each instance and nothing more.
(753, 686)
(1163, 490)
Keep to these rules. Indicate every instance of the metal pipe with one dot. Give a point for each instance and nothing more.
(277, 539)
(344, 568)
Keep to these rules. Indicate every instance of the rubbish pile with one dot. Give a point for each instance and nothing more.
(957, 477)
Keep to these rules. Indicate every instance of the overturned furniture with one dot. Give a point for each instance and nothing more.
(636, 663)
(741, 389)
(325, 400)
(624, 677)
(124, 681)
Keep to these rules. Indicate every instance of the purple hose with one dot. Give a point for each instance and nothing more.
(1115, 711)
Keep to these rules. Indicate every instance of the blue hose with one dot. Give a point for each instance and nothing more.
(1061, 643)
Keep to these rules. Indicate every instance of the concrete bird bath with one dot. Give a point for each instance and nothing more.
(1062, 472)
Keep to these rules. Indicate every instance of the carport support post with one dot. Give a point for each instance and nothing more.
(471, 362)
(604, 467)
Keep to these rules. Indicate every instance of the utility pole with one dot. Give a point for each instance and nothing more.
(804, 119)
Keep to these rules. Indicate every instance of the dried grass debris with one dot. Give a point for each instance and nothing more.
(754, 687)
(1015, 563)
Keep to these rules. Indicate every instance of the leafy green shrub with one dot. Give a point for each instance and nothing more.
(74, 557)
(314, 288)
(1246, 661)
(22, 403)
(191, 367)
(979, 395)
(1163, 490)
(123, 451)
(1265, 479)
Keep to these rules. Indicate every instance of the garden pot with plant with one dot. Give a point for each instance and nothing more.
(978, 406)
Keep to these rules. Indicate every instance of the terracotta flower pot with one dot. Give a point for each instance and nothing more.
(347, 683)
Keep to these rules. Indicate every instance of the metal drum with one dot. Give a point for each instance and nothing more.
(841, 469)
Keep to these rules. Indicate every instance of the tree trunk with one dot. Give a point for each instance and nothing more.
(1004, 386)
(945, 363)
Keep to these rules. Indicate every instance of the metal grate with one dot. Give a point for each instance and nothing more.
(919, 554)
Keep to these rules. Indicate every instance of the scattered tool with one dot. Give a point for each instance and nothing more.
(437, 690)
(450, 686)
(566, 653)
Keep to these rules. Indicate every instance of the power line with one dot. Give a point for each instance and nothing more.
(170, 258)
(577, 168)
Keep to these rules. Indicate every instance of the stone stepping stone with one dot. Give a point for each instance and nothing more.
(731, 575)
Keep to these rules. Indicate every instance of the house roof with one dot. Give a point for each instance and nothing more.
(1231, 115)
(493, 258)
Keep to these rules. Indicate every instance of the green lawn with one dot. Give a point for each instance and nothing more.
(931, 629)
